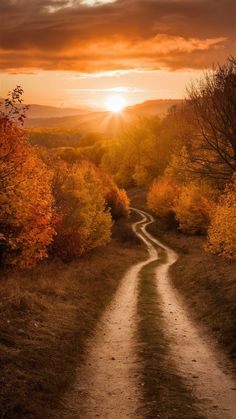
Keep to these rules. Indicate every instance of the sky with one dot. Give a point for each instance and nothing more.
(76, 53)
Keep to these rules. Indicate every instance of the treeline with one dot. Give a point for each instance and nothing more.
(188, 161)
(47, 205)
(56, 197)
(72, 145)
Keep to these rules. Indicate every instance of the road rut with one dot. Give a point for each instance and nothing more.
(108, 383)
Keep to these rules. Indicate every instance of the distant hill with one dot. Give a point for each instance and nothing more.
(97, 121)
(41, 111)
(154, 107)
(102, 122)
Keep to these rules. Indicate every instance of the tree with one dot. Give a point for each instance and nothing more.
(26, 201)
(85, 221)
(162, 195)
(222, 230)
(116, 199)
(137, 157)
(193, 208)
(212, 103)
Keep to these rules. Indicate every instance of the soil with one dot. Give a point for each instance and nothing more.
(46, 317)
(110, 382)
(201, 365)
(208, 285)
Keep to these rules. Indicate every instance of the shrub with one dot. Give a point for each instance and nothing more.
(222, 230)
(116, 199)
(85, 221)
(161, 196)
(26, 201)
(192, 209)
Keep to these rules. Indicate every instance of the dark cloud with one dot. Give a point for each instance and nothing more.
(67, 34)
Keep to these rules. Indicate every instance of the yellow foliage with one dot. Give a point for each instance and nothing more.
(137, 156)
(86, 223)
(161, 196)
(193, 209)
(141, 175)
(179, 165)
(116, 199)
(222, 230)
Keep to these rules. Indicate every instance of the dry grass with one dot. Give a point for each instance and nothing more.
(207, 282)
(45, 318)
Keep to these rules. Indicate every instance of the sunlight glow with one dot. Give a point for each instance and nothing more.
(115, 103)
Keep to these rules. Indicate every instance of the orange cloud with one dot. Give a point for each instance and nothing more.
(105, 35)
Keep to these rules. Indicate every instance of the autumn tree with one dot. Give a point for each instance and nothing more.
(116, 198)
(222, 230)
(193, 208)
(139, 155)
(85, 221)
(26, 201)
(162, 195)
(212, 104)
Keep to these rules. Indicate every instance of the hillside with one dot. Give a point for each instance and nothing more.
(101, 121)
(153, 107)
(41, 111)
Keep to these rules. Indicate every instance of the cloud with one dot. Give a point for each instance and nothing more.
(96, 2)
(104, 35)
(118, 89)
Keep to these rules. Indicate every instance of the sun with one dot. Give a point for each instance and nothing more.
(116, 103)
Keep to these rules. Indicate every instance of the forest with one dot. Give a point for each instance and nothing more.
(59, 193)
(49, 205)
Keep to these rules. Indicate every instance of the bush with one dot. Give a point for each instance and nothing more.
(85, 221)
(116, 199)
(192, 209)
(161, 196)
(26, 201)
(222, 230)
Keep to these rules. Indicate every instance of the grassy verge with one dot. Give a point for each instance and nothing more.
(165, 395)
(46, 316)
(208, 284)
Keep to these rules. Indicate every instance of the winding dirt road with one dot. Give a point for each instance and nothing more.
(108, 384)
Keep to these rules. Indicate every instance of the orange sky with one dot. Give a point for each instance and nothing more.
(78, 52)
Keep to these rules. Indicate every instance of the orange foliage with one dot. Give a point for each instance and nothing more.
(162, 195)
(116, 199)
(26, 201)
(193, 209)
(222, 230)
(86, 223)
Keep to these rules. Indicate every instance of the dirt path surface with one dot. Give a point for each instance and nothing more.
(203, 369)
(108, 384)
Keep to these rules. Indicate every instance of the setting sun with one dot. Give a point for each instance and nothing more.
(115, 103)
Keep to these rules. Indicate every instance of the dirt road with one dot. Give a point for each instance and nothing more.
(109, 382)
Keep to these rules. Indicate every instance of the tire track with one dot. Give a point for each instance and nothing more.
(108, 384)
(202, 367)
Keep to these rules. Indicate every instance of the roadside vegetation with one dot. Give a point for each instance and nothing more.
(188, 161)
(47, 205)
